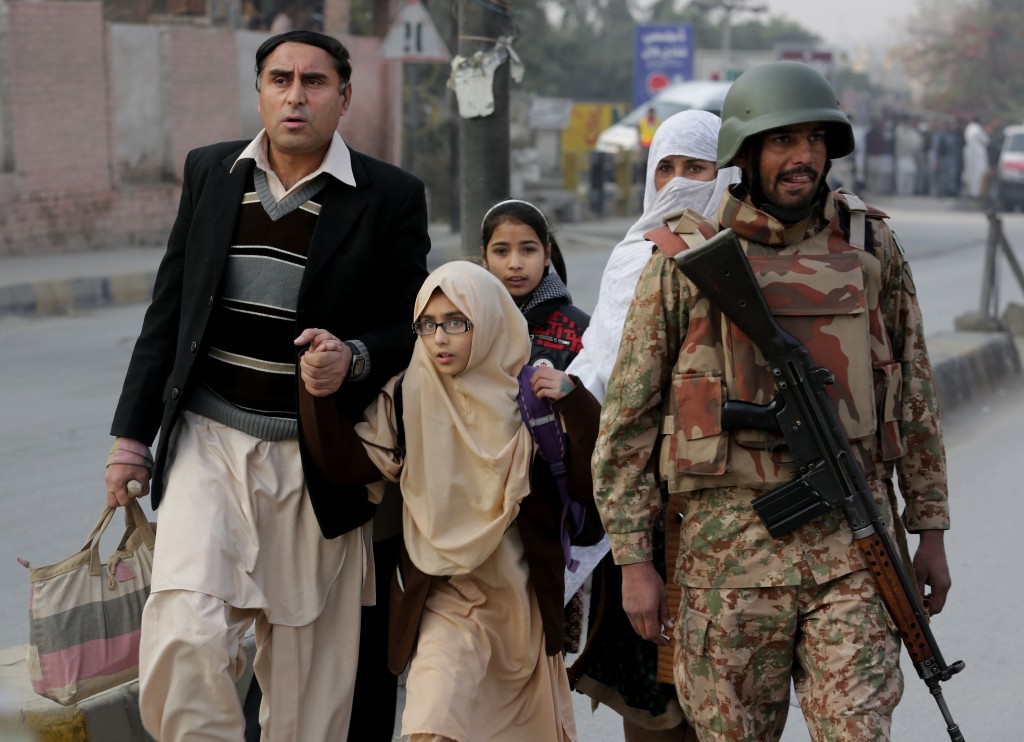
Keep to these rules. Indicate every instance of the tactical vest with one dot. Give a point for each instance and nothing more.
(824, 290)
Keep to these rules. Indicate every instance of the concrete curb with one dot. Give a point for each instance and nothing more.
(967, 364)
(57, 296)
(111, 716)
(64, 296)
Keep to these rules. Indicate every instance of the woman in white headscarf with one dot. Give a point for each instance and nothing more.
(680, 175)
(617, 667)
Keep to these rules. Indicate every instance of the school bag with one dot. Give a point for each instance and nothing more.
(546, 429)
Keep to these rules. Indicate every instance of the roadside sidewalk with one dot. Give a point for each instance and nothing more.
(62, 283)
(965, 363)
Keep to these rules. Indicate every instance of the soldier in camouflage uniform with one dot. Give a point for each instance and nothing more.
(758, 612)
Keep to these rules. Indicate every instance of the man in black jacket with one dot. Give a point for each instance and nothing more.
(277, 242)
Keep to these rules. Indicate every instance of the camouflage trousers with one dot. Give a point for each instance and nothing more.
(736, 650)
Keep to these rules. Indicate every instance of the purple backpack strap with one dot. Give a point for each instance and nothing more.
(545, 427)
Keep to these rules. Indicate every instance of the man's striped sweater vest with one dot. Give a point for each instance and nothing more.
(248, 372)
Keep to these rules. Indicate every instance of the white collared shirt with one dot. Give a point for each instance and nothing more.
(337, 163)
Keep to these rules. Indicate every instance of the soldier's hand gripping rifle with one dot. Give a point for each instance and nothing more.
(828, 476)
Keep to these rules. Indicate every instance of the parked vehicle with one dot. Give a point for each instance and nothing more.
(1009, 176)
(702, 95)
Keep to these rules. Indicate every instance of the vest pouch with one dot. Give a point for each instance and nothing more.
(693, 440)
(820, 300)
(889, 393)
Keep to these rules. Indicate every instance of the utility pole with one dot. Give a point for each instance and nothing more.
(484, 148)
(454, 212)
(728, 7)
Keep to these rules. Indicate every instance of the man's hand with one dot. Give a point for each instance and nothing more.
(645, 602)
(550, 383)
(324, 365)
(126, 480)
(932, 570)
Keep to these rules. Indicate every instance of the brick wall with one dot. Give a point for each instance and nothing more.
(203, 90)
(60, 96)
(375, 83)
(71, 221)
(63, 192)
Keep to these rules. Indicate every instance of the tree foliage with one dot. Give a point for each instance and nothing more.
(968, 63)
(583, 49)
(749, 32)
(580, 49)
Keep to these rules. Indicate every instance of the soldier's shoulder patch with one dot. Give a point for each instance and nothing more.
(908, 280)
(908, 276)
(852, 202)
(686, 221)
(897, 243)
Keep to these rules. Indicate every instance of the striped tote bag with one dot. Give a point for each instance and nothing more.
(85, 614)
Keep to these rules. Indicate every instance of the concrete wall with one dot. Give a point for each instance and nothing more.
(60, 95)
(59, 187)
(246, 44)
(203, 92)
(376, 91)
(96, 119)
(142, 122)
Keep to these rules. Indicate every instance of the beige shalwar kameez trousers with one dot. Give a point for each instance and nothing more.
(237, 542)
(483, 631)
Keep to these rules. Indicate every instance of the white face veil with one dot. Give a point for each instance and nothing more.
(689, 134)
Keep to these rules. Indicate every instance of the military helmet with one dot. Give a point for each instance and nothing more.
(780, 94)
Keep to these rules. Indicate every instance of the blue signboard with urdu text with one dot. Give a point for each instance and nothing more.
(664, 56)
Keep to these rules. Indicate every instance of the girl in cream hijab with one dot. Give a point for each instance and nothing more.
(479, 595)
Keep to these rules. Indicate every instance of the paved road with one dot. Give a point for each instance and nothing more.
(60, 376)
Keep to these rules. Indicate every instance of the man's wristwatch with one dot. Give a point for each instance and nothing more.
(358, 368)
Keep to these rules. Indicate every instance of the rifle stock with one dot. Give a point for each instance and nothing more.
(673, 517)
(827, 473)
(720, 269)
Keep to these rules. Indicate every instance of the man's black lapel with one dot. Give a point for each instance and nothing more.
(217, 210)
(340, 209)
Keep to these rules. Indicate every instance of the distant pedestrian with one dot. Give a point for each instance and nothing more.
(908, 147)
(922, 182)
(975, 159)
(879, 162)
(646, 128)
(948, 152)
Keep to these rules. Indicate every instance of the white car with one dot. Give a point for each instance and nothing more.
(703, 95)
(1009, 176)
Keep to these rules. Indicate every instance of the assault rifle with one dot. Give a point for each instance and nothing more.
(828, 476)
